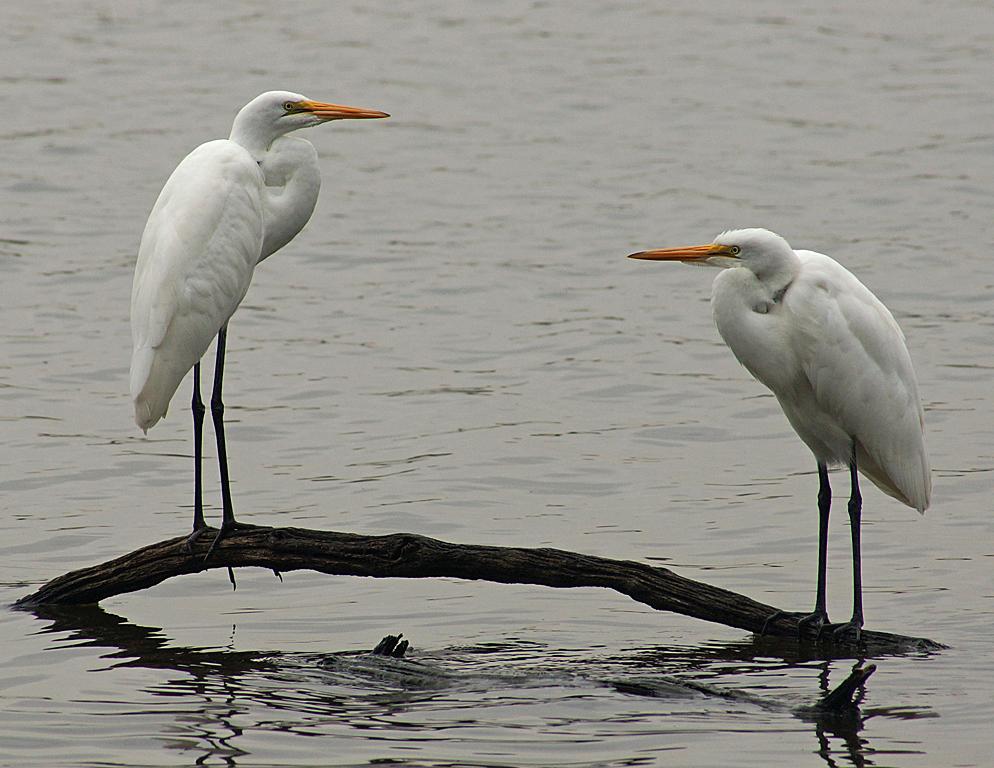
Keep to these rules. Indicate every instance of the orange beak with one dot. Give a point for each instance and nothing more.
(687, 253)
(338, 111)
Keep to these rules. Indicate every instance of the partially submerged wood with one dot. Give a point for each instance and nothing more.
(407, 555)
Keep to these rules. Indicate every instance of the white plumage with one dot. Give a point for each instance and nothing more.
(833, 355)
(196, 259)
(228, 205)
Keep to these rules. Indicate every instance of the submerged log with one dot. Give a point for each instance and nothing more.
(407, 555)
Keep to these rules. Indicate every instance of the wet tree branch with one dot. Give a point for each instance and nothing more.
(406, 555)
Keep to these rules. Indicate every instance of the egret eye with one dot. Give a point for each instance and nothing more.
(289, 106)
(735, 250)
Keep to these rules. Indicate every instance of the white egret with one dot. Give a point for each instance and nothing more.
(835, 358)
(228, 205)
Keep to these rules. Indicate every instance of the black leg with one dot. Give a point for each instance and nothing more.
(198, 452)
(855, 624)
(197, 407)
(855, 519)
(217, 414)
(819, 617)
(824, 508)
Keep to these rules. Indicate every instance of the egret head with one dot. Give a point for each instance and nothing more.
(275, 113)
(758, 250)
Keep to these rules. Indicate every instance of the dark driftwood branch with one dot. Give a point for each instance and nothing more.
(411, 556)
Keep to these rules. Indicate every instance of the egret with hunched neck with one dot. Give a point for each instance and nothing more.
(832, 353)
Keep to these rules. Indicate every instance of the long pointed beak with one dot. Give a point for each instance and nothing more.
(339, 111)
(688, 253)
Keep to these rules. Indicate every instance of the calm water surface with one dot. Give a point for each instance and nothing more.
(456, 346)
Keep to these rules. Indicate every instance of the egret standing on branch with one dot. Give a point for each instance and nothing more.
(834, 356)
(228, 205)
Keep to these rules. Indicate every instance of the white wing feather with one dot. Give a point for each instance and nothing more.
(854, 356)
(195, 263)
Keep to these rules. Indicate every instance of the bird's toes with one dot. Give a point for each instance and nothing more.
(850, 632)
(814, 624)
(775, 616)
(192, 539)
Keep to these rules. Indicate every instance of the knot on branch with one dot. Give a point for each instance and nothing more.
(406, 547)
(277, 539)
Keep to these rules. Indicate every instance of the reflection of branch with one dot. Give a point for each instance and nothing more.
(92, 626)
(148, 647)
(232, 682)
(411, 556)
(212, 677)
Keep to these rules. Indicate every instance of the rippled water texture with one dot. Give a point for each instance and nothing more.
(457, 347)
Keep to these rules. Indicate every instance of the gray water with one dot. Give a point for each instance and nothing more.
(456, 346)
